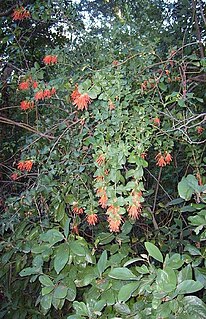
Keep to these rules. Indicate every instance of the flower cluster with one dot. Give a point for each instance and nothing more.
(114, 219)
(135, 209)
(20, 14)
(101, 192)
(80, 100)
(163, 160)
(44, 94)
(25, 165)
(25, 85)
(92, 219)
(50, 59)
(26, 105)
(77, 210)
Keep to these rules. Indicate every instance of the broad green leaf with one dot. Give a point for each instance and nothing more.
(60, 292)
(122, 273)
(102, 262)
(45, 280)
(127, 290)
(188, 287)
(142, 270)
(80, 308)
(72, 291)
(122, 308)
(184, 189)
(29, 271)
(52, 236)
(195, 307)
(60, 212)
(175, 261)
(61, 258)
(185, 274)
(99, 305)
(45, 301)
(77, 248)
(153, 251)
(166, 280)
(47, 290)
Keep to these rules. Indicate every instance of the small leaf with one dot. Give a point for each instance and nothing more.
(127, 290)
(60, 292)
(52, 236)
(77, 248)
(153, 251)
(45, 280)
(29, 271)
(122, 273)
(46, 301)
(46, 290)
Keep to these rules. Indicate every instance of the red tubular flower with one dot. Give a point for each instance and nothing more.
(26, 105)
(160, 160)
(168, 158)
(100, 160)
(20, 14)
(92, 219)
(28, 165)
(39, 95)
(35, 84)
(14, 176)
(50, 59)
(200, 129)
(24, 85)
(20, 166)
(134, 211)
(156, 121)
(114, 223)
(82, 102)
(103, 200)
(75, 94)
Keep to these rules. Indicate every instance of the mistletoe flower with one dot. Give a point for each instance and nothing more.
(114, 223)
(25, 165)
(92, 219)
(103, 200)
(50, 59)
(20, 14)
(100, 160)
(14, 176)
(200, 129)
(160, 160)
(168, 158)
(24, 85)
(156, 121)
(135, 211)
(26, 105)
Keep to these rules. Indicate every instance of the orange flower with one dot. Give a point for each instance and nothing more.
(24, 85)
(111, 105)
(39, 95)
(115, 63)
(92, 219)
(200, 129)
(28, 165)
(103, 200)
(112, 210)
(144, 85)
(75, 94)
(14, 176)
(82, 101)
(160, 160)
(114, 223)
(26, 105)
(77, 210)
(167, 72)
(168, 158)
(143, 155)
(134, 211)
(75, 230)
(35, 84)
(50, 59)
(20, 14)
(46, 93)
(20, 166)
(100, 160)
(156, 121)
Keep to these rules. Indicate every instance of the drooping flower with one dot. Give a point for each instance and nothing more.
(115, 63)
(160, 160)
(26, 105)
(100, 160)
(75, 94)
(50, 59)
(20, 166)
(35, 84)
(14, 176)
(135, 210)
(111, 105)
(156, 121)
(92, 219)
(28, 165)
(77, 210)
(168, 158)
(200, 129)
(103, 200)
(114, 222)
(20, 14)
(82, 102)
(24, 85)
(41, 95)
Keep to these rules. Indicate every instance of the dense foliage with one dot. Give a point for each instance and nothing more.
(103, 188)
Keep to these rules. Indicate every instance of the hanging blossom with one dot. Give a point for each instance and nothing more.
(163, 160)
(20, 14)
(101, 192)
(80, 100)
(114, 219)
(14, 176)
(25, 165)
(44, 94)
(100, 160)
(50, 59)
(135, 209)
(77, 210)
(25, 85)
(26, 105)
(92, 219)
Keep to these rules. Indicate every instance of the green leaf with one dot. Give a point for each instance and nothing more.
(175, 261)
(45, 301)
(60, 292)
(153, 251)
(166, 280)
(122, 273)
(142, 270)
(29, 271)
(127, 290)
(195, 307)
(188, 287)
(102, 262)
(45, 280)
(47, 290)
(72, 291)
(60, 212)
(80, 308)
(61, 258)
(122, 308)
(52, 236)
(77, 248)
